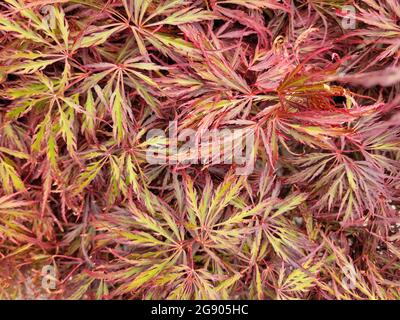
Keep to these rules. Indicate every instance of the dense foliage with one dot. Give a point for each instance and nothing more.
(82, 82)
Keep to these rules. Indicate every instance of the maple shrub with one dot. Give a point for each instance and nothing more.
(89, 87)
